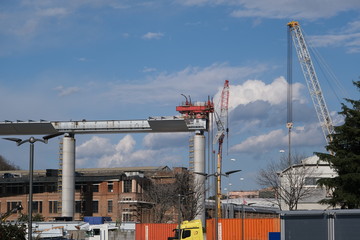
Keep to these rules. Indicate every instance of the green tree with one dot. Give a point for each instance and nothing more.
(36, 218)
(10, 232)
(345, 159)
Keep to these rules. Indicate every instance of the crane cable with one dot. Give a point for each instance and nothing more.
(327, 72)
(289, 120)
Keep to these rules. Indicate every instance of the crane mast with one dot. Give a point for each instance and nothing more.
(311, 80)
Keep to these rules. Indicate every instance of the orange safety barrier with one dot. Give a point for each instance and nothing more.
(254, 228)
(154, 231)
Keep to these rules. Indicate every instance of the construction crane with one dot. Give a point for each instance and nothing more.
(311, 80)
(222, 129)
(197, 110)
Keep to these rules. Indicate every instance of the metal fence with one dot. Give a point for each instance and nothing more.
(320, 225)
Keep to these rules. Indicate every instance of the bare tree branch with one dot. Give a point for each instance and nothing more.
(288, 179)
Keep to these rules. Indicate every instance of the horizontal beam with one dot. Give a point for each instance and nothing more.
(152, 124)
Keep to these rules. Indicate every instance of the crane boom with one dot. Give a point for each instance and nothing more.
(221, 121)
(221, 124)
(311, 80)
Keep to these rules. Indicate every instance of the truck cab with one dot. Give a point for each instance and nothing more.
(189, 230)
(99, 232)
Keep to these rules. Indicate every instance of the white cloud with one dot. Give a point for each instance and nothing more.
(195, 81)
(125, 35)
(96, 146)
(125, 145)
(82, 59)
(265, 142)
(348, 37)
(353, 26)
(66, 91)
(165, 140)
(335, 40)
(153, 35)
(53, 12)
(281, 9)
(257, 90)
(27, 18)
(149, 69)
(309, 135)
(100, 152)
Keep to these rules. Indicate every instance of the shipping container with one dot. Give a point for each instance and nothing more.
(239, 229)
(339, 224)
(229, 229)
(97, 220)
(154, 231)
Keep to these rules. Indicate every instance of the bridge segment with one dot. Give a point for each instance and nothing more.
(50, 129)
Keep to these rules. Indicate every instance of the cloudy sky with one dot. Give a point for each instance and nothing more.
(131, 59)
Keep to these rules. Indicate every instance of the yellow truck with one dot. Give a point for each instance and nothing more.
(189, 230)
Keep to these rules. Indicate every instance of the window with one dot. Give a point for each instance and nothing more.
(96, 231)
(95, 206)
(110, 187)
(186, 234)
(126, 217)
(37, 206)
(127, 186)
(38, 188)
(81, 187)
(79, 206)
(14, 189)
(51, 187)
(12, 205)
(110, 206)
(311, 181)
(53, 206)
(95, 188)
(77, 187)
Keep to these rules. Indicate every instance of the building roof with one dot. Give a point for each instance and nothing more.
(96, 174)
(307, 162)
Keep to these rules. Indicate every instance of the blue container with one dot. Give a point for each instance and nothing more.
(274, 235)
(97, 220)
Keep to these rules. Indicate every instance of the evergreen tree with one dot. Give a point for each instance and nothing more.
(345, 159)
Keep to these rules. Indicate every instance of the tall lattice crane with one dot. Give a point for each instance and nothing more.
(222, 129)
(311, 79)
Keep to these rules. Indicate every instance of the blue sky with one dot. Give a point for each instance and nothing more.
(107, 59)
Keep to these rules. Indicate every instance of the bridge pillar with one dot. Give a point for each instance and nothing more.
(68, 177)
(199, 166)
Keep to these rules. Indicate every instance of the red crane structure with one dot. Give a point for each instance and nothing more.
(199, 110)
(222, 129)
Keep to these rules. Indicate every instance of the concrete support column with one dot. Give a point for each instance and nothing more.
(68, 177)
(199, 166)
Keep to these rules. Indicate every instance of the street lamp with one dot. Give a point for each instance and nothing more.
(217, 198)
(19, 142)
(181, 196)
(243, 219)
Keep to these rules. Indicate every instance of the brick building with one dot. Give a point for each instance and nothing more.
(108, 192)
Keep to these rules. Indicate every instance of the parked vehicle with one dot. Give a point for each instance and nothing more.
(99, 232)
(189, 230)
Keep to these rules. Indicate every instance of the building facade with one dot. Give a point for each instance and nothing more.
(305, 175)
(118, 193)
